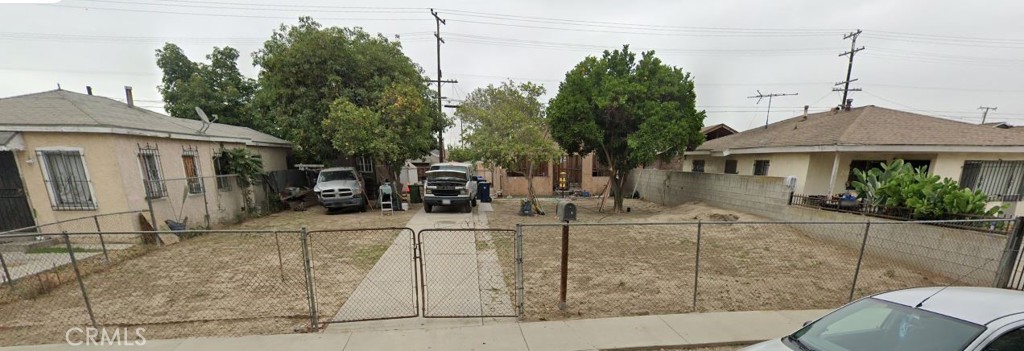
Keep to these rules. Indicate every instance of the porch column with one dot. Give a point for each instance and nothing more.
(832, 179)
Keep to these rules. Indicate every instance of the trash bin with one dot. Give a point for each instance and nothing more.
(414, 193)
(483, 191)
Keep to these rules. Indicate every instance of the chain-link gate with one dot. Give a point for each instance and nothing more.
(467, 272)
(362, 274)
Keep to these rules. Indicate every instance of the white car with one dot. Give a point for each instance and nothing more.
(918, 319)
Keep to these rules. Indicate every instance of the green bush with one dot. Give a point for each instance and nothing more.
(898, 184)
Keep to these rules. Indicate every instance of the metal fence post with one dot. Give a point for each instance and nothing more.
(564, 282)
(78, 275)
(280, 260)
(7, 274)
(1011, 255)
(206, 202)
(520, 289)
(103, 244)
(307, 267)
(696, 267)
(860, 258)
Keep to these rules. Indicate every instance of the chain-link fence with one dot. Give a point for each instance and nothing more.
(468, 272)
(621, 269)
(209, 202)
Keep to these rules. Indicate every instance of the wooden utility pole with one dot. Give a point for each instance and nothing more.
(845, 104)
(760, 96)
(985, 114)
(440, 137)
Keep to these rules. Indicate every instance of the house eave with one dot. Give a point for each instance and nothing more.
(135, 132)
(866, 148)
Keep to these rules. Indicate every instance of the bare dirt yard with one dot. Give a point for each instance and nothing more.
(224, 284)
(644, 268)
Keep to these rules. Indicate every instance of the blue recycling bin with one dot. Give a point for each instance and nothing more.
(483, 191)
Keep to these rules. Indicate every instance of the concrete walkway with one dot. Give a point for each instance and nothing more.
(464, 277)
(693, 329)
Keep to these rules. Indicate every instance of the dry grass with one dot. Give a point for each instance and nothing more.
(212, 285)
(617, 270)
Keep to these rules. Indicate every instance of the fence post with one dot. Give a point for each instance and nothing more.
(860, 258)
(280, 260)
(520, 289)
(696, 267)
(103, 244)
(563, 285)
(78, 275)
(1011, 255)
(7, 274)
(307, 267)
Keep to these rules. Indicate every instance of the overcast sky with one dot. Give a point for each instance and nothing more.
(943, 58)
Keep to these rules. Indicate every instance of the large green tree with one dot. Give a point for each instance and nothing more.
(397, 126)
(218, 87)
(306, 69)
(506, 125)
(627, 111)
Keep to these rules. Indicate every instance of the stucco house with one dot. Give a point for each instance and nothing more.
(67, 155)
(820, 150)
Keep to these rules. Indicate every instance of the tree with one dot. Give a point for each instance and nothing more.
(506, 125)
(460, 153)
(307, 70)
(395, 128)
(219, 88)
(627, 112)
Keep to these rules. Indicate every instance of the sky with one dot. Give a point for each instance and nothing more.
(935, 57)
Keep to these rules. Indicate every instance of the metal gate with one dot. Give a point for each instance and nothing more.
(1011, 273)
(468, 272)
(15, 211)
(361, 274)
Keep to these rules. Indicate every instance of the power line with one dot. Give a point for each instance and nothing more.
(231, 15)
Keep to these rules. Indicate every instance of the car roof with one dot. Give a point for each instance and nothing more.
(972, 304)
(338, 169)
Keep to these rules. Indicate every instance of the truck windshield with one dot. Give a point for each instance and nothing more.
(331, 176)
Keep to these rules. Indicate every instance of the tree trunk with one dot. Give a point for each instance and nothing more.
(530, 194)
(618, 183)
(396, 186)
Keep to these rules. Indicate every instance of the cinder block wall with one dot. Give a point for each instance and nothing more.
(948, 252)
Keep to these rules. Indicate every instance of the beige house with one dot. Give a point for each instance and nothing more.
(69, 155)
(820, 150)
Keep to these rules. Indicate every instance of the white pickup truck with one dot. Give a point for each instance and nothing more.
(450, 184)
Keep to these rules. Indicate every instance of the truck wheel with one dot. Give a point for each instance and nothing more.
(468, 208)
(473, 202)
(363, 208)
(427, 208)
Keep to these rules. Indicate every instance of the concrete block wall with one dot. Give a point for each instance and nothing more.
(949, 252)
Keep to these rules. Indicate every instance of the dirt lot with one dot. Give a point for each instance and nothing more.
(631, 269)
(212, 285)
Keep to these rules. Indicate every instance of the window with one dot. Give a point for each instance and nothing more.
(698, 166)
(364, 164)
(761, 167)
(1000, 180)
(190, 160)
(539, 170)
(599, 169)
(730, 167)
(1013, 340)
(220, 169)
(67, 180)
(152, 177)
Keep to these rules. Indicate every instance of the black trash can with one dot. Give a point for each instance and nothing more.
(483, 191)
(414, 194)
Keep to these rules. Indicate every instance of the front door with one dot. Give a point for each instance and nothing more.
(14, 209)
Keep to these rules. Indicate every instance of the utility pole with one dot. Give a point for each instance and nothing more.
(760, 96)
(845, 104)
(440, 137)
(985, 114)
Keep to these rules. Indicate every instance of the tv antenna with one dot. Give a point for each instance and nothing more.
(760, 96)
(206, 120)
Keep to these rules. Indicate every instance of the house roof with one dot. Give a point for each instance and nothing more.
(867, 125)
(713, 127)
(65, 111)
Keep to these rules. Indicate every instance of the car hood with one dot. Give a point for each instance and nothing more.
(336, 184)
(770, 345)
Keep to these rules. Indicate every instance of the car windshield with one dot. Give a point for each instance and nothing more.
(330, 176)
(872, 324)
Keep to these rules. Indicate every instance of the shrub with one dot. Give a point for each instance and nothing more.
(898, 184)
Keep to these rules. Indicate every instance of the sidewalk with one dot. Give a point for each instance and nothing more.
(690, 329)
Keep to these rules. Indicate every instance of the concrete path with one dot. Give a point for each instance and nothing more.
(464, 277)
(679, 330)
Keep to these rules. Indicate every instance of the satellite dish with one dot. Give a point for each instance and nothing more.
(202, 115)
